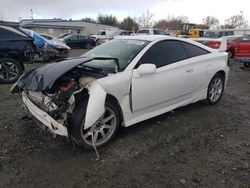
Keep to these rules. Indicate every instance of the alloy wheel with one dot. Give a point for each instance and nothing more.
(8, 71)
(102, 130)
(216, 89)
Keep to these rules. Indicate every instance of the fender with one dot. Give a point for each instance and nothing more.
(96, 104)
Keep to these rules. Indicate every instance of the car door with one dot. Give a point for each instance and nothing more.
(169, 85)
(71, 41)
(198, 65)
(84, 40)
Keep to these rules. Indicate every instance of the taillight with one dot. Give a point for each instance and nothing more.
(213, 44)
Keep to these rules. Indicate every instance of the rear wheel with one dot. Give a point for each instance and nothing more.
(100, 133)
(246, 65)
(10, 70)
(215, 89)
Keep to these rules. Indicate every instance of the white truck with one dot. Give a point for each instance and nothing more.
(105, 35)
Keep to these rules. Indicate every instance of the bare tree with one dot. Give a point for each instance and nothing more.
(146, 19)
(129, 24)
(210, 21)
(107, 20)
(171, 23)
(236, 21)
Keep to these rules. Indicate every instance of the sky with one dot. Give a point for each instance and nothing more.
(195, 10)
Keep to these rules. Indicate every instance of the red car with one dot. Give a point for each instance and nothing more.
(231, 41)
(242, 50)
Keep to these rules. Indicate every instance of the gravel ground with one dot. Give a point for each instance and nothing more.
(193, 146)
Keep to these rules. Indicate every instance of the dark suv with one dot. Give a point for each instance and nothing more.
(16, 48)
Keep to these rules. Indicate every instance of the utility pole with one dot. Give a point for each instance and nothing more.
(31, 11)
(241, 18)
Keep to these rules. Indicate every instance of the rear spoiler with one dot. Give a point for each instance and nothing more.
(219, 44)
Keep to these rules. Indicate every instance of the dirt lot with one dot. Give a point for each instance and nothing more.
(194, 146)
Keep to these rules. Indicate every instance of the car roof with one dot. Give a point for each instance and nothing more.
(152, 38)
(149, 38)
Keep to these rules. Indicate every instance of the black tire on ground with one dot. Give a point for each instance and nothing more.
(246, 64)
(10, 70)
(230, 55)
(88, 46)
(77, 132)
(215, 89)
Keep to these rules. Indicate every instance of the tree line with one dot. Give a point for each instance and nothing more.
(171, 23)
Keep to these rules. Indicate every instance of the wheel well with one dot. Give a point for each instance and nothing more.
(114, 100)
(222, 73)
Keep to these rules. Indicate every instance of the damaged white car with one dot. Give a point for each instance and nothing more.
(120, 83)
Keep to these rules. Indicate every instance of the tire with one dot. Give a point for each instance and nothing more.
(84, 137)
(88, 46)
(230, 55)
(246, 65)
(10, 70)
(215, 89)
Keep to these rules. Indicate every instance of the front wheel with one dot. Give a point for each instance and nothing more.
(99, 134)
(10, 70)
(215, 89)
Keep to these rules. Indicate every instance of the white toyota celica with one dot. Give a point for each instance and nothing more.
(120, 83)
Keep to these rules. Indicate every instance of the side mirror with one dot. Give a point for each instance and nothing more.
(146, 69)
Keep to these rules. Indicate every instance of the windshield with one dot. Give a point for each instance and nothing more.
(124, 50)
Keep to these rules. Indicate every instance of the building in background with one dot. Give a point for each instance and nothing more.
(58, 27)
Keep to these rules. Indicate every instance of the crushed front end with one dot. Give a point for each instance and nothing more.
(52, 92)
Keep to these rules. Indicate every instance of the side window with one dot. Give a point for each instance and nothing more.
(228, 33)
(82, 37)
(164, 53)
(193, 50)
(103, 33)
(156, 32)
(74, 37)
(220, 34)
(161, 32)
(143, 32)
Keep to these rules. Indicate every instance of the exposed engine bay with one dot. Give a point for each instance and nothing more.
(59, 101)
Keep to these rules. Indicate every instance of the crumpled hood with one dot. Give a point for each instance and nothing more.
(45, 76)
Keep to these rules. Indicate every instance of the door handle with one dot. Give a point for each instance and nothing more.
(190, 70)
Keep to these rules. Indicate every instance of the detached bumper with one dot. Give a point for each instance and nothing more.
(44, 117)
